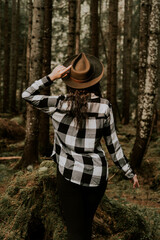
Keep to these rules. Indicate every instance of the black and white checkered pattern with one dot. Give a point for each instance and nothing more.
(78, 151)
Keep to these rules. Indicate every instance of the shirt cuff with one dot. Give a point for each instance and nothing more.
(46, 81)
(49, 80)
(129, 173)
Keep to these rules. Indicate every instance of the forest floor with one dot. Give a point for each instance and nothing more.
(146, 199)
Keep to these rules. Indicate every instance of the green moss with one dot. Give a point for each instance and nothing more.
(12, 190)
(125, 221)
(30, 207)
(7, 207)
(31, 200)
(156, 183)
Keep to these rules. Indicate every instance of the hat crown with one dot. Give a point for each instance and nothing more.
(81, 69)
(85, 72)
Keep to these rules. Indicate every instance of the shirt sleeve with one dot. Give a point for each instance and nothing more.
(114, 146)
(44, 103)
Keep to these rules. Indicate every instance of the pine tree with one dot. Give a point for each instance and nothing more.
(6, 71)
(44, 118)
(145, 8)
(30, 153)
(150, 89)
(13, 58)
(94, 28)
(78, 25)
(127, 60)
(29, 35)
(1, 55)
(112, 54)
(72, 28)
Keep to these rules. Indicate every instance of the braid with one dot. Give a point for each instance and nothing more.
(78, 102)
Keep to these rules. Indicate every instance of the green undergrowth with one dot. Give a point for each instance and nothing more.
(30, 209)
(146, 199)
(11, 148)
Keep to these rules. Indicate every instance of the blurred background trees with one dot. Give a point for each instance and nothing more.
(124, 34)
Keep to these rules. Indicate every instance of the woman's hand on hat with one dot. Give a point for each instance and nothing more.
(59, 72)
(135, 181)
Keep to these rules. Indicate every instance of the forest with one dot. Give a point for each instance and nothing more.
(36, 36)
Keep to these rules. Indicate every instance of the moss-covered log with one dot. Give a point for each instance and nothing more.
(11, 129)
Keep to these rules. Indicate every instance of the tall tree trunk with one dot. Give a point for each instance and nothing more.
(112, 54)
(6, 59)
(145, 8)
(23, 75)
(13, 59)
(29, 35)
(78, 25)
(1, 34)
(30, 154)
(150, 89)
(158, 97)
(26, 54)
(127, 60)
(101, 32)
(18, 39)
(44, 118)
(143, 52)
(94, 28)
(72, 28)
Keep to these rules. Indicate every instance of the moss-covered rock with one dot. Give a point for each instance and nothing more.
(30, 210)
(124, 223)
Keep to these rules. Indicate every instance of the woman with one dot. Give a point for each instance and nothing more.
(80, 119)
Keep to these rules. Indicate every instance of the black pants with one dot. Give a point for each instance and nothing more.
(79, 205)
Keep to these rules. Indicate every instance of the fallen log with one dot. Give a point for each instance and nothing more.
(11, 130)
(19, 157)
(10, 158)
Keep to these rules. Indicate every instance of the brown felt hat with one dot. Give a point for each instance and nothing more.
(86, 71)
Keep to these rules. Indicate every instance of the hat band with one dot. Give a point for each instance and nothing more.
(82, 80)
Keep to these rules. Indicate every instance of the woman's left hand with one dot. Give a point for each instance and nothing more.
(135, 181)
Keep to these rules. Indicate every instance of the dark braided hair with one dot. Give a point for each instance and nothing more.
(78, 99)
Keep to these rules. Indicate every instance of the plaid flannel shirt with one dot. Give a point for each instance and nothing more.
(78, 151)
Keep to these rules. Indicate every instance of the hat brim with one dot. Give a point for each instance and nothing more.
(96, 76)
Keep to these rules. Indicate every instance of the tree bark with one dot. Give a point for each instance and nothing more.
(145, 8)
(26, 55)
(127, 52)
(6, 74)
(18, 39)
(112, 54)
(44, 118)
(22, 76)
(30, 154)
(94, 28)
(101, 32)
(13, 58)
(150, 89)
(29, 35)
(78, 25)
(1, 33)
(72, 28)
(158, 97)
